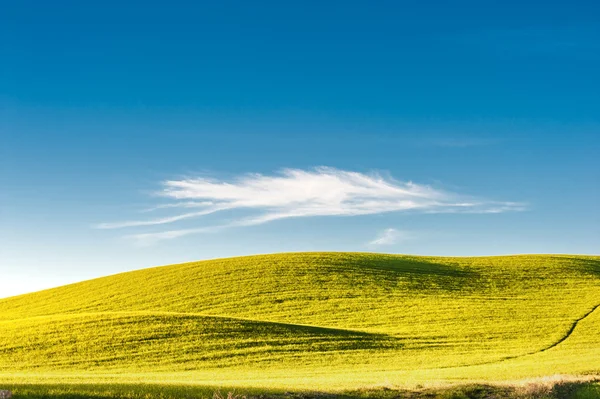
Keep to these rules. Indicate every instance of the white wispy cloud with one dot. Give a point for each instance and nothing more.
(293, 193)
(389, 237)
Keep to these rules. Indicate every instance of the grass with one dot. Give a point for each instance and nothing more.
(319, 321)
(538, 390)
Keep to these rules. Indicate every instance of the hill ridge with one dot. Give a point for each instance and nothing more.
(188, 314)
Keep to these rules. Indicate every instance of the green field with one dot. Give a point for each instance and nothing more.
(317, 321)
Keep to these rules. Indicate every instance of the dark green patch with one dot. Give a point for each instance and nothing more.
(565, 390)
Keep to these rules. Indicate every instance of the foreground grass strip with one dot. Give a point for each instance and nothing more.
(532, 390)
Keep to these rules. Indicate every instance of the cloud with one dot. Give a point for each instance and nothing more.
(295, 193)
(145, 239)
(389, 237)
(165, 220)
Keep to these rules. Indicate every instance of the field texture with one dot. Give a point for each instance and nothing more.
(329, 321)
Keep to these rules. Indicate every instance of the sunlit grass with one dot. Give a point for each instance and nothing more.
(328, 321)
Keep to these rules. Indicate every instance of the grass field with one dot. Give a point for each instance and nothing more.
(316, 321)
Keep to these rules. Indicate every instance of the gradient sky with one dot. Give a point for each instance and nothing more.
(491, 110)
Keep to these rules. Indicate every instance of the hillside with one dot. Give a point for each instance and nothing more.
(313, 319)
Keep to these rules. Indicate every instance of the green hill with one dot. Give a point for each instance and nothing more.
(335, 320)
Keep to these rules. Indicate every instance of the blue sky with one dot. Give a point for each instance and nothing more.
(435, 128)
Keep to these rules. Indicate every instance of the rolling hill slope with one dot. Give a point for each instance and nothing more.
(312, 319)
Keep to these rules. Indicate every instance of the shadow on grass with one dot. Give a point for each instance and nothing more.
(419, 274)
(586, 266)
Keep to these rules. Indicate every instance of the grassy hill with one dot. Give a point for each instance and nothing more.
(317, 320)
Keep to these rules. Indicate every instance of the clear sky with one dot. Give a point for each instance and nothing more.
(136, 134)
